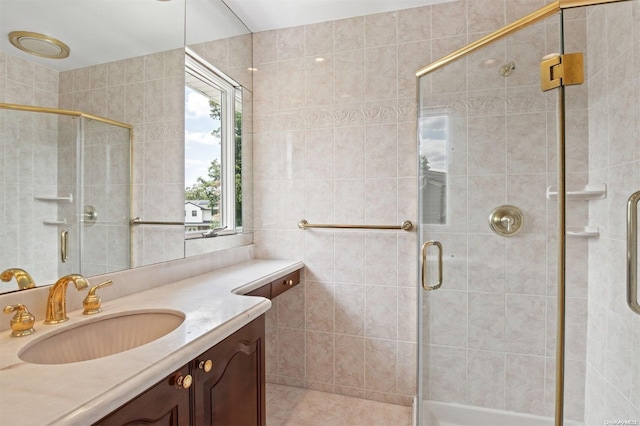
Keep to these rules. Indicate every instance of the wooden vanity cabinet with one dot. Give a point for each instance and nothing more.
(277, 287)
(232, 392)
(162, 405)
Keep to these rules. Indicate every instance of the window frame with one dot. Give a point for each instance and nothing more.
(231, 99)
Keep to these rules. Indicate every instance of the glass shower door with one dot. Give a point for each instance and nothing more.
(487, 159)
(104, 205)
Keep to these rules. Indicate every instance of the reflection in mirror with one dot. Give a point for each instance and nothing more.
(63, 171)
(213, 151)
(126, 64)
(433, 136)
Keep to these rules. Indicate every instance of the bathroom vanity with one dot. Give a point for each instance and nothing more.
(208, 370)
(225, 386)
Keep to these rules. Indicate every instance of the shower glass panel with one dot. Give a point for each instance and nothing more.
(39, 190)
(56, 220)
(105, 194)
(488, 334)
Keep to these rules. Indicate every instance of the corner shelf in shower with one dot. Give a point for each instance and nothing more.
(583, 232)
(584, 192)
(55, 222)
(61, 199)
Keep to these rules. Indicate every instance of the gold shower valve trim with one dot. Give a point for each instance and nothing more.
(506, 220)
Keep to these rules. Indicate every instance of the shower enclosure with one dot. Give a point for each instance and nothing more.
(525, 169)
(66, 192)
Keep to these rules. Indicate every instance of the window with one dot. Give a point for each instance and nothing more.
(213, 138)
(194, 213)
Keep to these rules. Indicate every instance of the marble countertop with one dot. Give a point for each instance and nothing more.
(83, 392)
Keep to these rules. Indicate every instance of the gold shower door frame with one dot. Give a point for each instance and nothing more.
(547, 11)
(75, 114)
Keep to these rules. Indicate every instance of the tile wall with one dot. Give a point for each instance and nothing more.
(613, 370)
(26, 240)
(146, 92)
(335, 142)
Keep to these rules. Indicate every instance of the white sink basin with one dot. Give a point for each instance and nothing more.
(100, 337)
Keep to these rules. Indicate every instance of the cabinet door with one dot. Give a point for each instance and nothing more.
(162, 405)
(233, 391)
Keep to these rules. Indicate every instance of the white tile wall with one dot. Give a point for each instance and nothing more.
(613, 333)
(148, 93)
(335, 143)
(28, 243)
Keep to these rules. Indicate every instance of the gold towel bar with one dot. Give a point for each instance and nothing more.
(407, 225)
(138, 221)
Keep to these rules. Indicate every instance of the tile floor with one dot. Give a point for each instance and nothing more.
(290, 406)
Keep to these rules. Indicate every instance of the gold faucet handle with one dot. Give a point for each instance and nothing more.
(91, 303)
(22, 322)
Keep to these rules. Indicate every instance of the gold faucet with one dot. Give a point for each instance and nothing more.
(22, 277)
(57, 301)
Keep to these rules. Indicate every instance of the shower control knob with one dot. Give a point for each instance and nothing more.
(506, 220)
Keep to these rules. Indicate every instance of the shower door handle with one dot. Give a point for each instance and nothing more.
(632, 252)
(425, 247)
(64, 241)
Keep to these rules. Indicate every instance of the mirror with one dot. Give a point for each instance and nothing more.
(126, 64)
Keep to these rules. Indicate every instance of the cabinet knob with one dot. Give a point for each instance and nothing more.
(206, 366)
(288, 282)
(184, 382)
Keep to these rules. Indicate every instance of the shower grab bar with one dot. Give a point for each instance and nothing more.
(407, 225)
(425, 247)
(632, 252)
(138, 221)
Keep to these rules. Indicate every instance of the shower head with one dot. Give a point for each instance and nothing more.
(507, 69)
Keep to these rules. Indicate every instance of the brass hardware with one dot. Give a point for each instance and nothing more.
(561, 70)
(64, 239)
(184, 382)
(506, 220)
(91, 303)
(22, 277)
(288, 282)
(407, 225)
(562, 257)
(137, 221)
(567, 4)
(206, 366)
(57, 301)
(632, 252)
(22, 322)
(534, 17)
(46, 110)
(425, 247)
